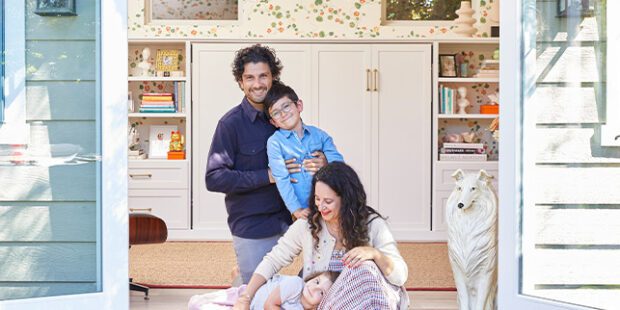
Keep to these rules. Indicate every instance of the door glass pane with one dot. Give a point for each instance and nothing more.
(50, 201)
(421, 9)
(194, 9)
(570, 212)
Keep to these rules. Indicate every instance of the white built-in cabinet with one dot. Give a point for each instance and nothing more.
(373, 99)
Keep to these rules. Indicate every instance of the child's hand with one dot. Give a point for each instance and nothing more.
(356, 256)
(302, 213)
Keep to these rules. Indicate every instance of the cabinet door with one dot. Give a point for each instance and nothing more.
(342, 101)
(401, 130)
(214, 93)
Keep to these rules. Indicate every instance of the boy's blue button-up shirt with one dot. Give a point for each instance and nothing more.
(285, 144)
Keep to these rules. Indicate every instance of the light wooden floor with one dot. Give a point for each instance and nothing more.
(172, 299)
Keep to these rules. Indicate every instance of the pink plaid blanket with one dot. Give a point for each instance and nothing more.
(363, 287)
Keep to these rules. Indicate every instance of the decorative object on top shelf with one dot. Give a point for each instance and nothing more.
(177, 146)
(167, 63)
(462, 102)
(465, 21)
(159, 140)
(447, 65)
(55, 8)
(462, 64)
(471, 216)
(144, 67)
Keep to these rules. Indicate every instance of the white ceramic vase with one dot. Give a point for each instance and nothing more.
(465, 21)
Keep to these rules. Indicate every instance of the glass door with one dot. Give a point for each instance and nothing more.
(559, 212)
(63, 183)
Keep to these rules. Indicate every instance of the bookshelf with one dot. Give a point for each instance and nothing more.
(449, 125)
(160, 99)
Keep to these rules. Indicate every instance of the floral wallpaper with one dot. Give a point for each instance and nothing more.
(194, 9)
(285, 19)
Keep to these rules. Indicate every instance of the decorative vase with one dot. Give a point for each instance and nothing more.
(465, 21)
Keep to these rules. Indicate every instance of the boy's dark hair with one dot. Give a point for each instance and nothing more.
(278, 91)
(255, 54)
(331, 275)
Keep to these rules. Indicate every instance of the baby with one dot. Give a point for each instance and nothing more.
(280, 292)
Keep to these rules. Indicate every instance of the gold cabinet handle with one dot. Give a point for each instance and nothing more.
(367, 79)
(376, 75)
(145, 176)
(140, 209)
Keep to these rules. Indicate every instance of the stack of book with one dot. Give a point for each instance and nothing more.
(488, 69)
(157, 103)
(137, 154)
(447, 100)
(462, 152)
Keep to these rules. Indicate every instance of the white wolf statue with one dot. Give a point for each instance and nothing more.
(471, 214)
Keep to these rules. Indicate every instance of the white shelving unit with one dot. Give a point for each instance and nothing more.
(476, 49)
(161, 187)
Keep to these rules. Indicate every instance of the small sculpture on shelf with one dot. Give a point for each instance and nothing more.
(492, 107)
(177, 146)
(462, 102)
(133, 142)
(145, 68)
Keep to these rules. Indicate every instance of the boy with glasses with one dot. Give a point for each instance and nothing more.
(293, 139)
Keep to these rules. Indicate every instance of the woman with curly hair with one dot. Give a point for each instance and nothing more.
(344, 234)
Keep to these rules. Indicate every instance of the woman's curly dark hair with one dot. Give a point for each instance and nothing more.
(354, 214)
(255, 54)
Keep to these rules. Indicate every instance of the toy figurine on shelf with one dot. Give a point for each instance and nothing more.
(177, 146)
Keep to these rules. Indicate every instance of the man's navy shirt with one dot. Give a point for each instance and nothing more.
(237, 166)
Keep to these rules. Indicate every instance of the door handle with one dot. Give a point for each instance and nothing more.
(367, 79)
(145, 176)
(140, 209)
(376, 75)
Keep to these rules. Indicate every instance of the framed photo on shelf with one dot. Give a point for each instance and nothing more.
(167, 61)
(159, 140)
(447, 65)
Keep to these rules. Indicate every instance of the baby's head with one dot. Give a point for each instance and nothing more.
(283, 107)
(317, 287)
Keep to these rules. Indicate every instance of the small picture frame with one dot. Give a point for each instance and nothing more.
(55, 8)
(159, 140)
(167, 61)
(447, 65)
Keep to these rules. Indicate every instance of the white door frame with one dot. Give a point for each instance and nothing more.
(112, 232)
(512, 44)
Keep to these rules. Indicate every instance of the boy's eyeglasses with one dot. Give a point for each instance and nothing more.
(286, 107)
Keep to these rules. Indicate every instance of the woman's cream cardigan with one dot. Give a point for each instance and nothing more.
(298, 237)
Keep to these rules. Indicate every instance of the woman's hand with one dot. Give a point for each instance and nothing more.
(358, 255)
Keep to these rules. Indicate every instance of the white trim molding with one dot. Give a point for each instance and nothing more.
(15, 130)
(610, 132)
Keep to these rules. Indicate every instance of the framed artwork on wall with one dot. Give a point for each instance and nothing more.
(172, 12)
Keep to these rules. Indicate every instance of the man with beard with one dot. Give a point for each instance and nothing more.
(237, 164)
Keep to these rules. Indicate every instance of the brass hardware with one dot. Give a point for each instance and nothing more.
(376, 72)
(140, 209)
(146, 175)
(367, 79)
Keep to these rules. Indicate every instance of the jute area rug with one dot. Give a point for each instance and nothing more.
(209, 265)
